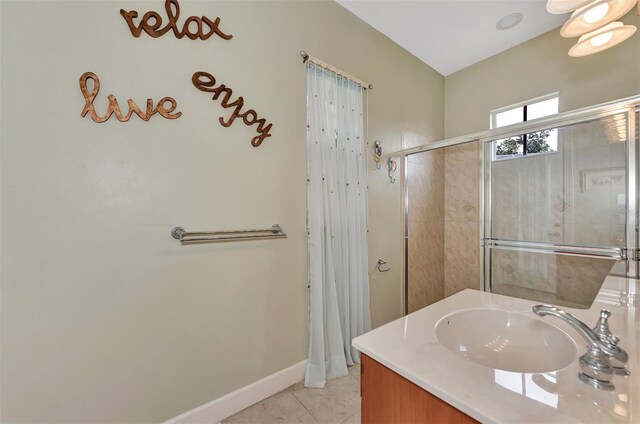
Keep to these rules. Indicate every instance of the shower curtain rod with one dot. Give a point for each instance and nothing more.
(306, 58)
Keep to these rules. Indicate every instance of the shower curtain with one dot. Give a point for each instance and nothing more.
(336, 203)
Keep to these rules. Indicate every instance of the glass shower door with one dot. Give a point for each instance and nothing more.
(442, 223)
(558, 219)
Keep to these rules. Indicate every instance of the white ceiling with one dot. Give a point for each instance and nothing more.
(449, 35)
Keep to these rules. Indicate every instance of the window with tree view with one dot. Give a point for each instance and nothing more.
(545, 141)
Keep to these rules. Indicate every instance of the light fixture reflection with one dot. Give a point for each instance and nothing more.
(615, 128)
(602, 39)
(525, 385)
(595, 15)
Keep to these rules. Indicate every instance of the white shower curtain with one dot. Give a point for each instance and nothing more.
(337, 188)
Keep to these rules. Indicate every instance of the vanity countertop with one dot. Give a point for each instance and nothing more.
(409, 347)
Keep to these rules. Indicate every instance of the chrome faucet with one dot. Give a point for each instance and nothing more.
(603, 357)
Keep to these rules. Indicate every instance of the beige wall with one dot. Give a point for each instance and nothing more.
(537, 67)
(398, 111)
(104, 316)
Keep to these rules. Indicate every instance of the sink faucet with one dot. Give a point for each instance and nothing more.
(603, 357)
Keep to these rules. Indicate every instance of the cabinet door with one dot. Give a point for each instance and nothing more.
(388, 398)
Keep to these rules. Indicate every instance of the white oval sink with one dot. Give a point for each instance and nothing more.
(506, 340)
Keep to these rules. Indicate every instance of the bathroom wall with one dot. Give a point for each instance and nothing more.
(537, 67)
(105, 317)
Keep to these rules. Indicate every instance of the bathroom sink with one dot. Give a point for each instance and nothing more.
(506, 340)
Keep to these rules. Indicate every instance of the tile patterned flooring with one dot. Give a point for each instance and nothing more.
(337, 403)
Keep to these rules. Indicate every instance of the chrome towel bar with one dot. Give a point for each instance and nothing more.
(185, 237)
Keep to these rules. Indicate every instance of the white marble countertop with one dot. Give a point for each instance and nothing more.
(409, 347)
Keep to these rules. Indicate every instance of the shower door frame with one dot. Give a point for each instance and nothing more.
(631, 253)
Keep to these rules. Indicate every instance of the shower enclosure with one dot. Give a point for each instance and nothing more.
(546, 224)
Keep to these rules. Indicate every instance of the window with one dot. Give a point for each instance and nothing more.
(545, 141)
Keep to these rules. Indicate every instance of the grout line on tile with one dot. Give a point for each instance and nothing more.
(354, 414)
(303, 405)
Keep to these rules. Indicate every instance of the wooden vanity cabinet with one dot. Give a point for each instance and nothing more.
(389, 398)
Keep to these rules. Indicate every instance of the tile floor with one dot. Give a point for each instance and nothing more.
(337, 403)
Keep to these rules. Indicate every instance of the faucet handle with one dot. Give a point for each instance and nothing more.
(604, 333)
(602, 327)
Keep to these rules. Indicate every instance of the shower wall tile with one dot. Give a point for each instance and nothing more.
(524, 269)
(426, 266)
(425, 261)
(462, 175)
(462, 256)
(459, 238)
(462, 218)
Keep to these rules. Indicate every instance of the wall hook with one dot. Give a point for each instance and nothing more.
(380, 263)
(393, 166)
(377, 153)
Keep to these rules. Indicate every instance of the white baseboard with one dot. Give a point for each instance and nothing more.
(234, 402)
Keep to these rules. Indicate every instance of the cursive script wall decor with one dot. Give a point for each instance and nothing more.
(115, 108)
(151, 23)
(204, 81)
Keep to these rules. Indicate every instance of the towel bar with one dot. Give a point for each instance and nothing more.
(185, 237)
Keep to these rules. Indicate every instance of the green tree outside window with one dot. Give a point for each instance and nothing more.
(536, 143)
